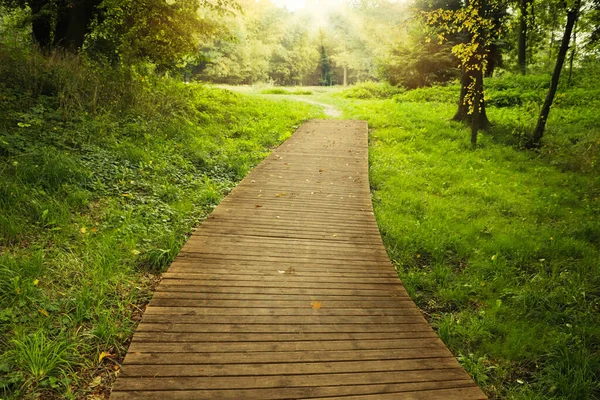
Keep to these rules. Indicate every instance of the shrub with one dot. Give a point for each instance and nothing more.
(372, 90)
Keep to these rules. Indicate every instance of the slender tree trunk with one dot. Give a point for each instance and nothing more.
(572, 56)
(494, 59)
(522, 51)
(345, 75)
(572, 15)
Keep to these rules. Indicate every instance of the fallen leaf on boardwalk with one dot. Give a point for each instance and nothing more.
(103, 355)
(258, 206)
(321, 170)
(280, 271)
(334, 235)
(316, 304)
(277, 195)
(252, 181)
(288, 271)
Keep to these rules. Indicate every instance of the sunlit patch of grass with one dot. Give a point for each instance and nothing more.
(286, 91)
(498, 246)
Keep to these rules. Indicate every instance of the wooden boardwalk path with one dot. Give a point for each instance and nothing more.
(286, 292)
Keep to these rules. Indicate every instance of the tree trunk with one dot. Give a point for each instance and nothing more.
(522, 51)
(462, 114)
(572, 56)
(73, 22)
(494, 60)
(41, 24)
(572, 15)
(345, 75)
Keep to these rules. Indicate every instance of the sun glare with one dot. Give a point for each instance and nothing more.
(292, 5)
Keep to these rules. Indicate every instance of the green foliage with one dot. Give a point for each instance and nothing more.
(414, 61)
(285, 91)
(437, 94)
(103, 174)
(156, 31)
(372, 90)
(498, 246)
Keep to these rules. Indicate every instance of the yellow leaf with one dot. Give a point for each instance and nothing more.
(96, 382)
(103, 355)
(316, 304)
(277, 195)
(35, 282)
(135, 252)
(43, 312)
(83, 230)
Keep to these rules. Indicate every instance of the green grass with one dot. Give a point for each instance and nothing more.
(286, 92)
(498, 246)
(103, 175)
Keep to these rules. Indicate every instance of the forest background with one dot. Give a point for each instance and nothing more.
(118, 136)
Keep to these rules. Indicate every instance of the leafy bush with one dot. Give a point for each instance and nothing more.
(371, 90)
(512, 97)
(435, 94)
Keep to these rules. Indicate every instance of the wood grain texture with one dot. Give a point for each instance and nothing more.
(286, 292)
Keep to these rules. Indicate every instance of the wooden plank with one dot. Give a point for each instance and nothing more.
(199, 295)
(167, 302)
(283, 381)
(296, 368)
(281, 320)
(292, 393)
(401, 342)
(409, 325)
(277, 277)
(155, 309)
(465, 393)
(291, 292)
(290, 296)
(272, 337)
(267, 357)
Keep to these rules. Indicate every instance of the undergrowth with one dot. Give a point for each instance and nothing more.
(104, 172)
(286, 91)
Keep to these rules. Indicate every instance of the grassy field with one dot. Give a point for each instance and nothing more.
(103, 175)
(498, 246)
